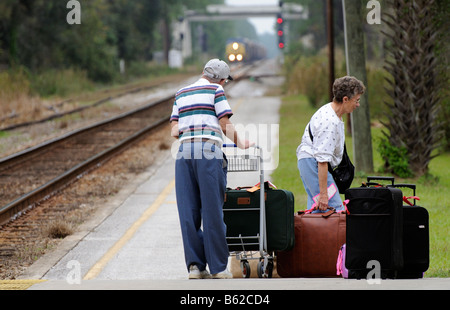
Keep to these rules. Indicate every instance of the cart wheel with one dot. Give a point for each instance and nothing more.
(260, 269)
(245, 267)
(269, 269)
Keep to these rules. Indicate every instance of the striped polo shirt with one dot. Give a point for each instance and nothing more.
(198, 108)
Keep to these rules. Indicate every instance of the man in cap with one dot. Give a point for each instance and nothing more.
(199, 117)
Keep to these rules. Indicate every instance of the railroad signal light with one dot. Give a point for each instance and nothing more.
(281, 42)
(280, 31)
(279, 19)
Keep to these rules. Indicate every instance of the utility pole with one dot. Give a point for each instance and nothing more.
(165, 32)
(356, 66)
(330, 36)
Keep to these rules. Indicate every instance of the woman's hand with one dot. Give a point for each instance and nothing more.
(323, 175)
(323, 201)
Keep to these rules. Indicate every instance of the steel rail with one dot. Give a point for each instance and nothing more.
(16, 158)
(76, 110)
(94, 104)
(29, 200)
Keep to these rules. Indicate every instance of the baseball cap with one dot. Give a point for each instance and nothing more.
(217, 69)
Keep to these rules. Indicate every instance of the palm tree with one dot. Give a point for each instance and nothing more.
(414, 87)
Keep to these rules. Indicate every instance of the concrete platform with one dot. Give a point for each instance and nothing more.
(245, 285)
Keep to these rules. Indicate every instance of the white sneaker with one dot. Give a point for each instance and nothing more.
(195, 273)
(223, 275)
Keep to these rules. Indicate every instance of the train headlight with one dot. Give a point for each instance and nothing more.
(235, 46)
(239, 57)
(231, 57)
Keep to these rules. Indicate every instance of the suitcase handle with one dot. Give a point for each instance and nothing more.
(411, 186)
(330, 211)
(374, 184)
(381, 178)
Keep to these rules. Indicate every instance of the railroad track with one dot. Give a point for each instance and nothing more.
(96, 99)
(28, 177)
(101, 98)
(33, 175)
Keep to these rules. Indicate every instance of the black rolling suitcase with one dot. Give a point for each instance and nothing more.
(242, 217)
(416, 244)
(374, 229)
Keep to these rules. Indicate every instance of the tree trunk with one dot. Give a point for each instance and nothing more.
(356, 66)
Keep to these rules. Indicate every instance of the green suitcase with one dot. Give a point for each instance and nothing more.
(242, 217)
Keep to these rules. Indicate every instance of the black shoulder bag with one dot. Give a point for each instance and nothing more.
(343, 173)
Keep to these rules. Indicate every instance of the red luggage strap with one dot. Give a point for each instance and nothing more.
(406, 199)
(258, 186)
(345, 203)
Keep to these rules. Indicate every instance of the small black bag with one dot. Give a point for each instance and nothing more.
(343, 173)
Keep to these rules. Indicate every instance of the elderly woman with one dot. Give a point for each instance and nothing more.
(327, 146)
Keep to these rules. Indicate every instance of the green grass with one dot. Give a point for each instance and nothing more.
(4, 134)
(433, 190)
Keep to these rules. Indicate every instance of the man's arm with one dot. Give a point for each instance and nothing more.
(229, 131)
(174, 129)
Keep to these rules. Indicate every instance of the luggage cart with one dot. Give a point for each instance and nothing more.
(247, 243)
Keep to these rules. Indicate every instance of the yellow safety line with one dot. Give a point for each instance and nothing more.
(98, 267)
(18, 284)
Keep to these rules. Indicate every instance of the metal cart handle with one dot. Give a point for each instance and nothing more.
(234, 145)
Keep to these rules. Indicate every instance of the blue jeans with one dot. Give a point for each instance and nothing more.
(200, 184)
(309, 173)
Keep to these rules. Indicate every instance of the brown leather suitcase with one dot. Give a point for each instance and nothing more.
(318, 238)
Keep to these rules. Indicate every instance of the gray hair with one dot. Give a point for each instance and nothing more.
(347, 86)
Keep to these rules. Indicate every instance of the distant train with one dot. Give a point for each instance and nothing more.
(244, 50)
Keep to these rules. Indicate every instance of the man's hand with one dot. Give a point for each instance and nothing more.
(174, 129)
(244, 144)
(229, 131)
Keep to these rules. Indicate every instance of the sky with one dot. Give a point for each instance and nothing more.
(262, 24)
